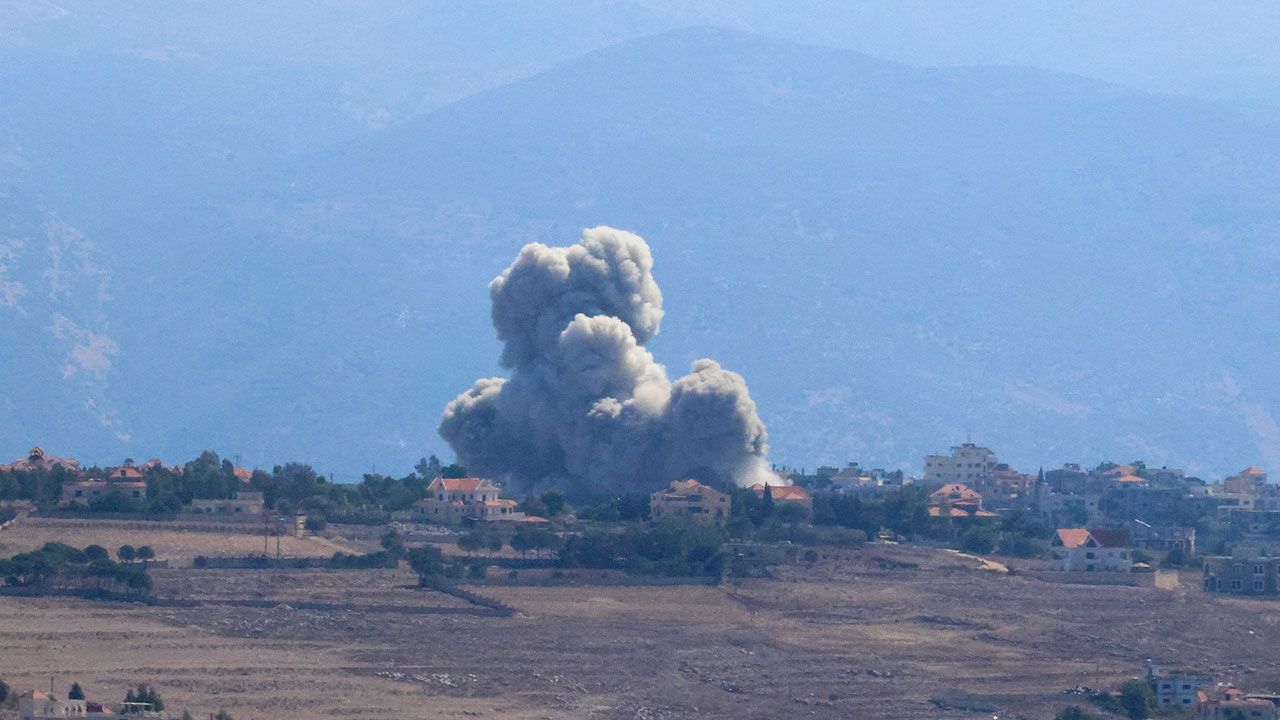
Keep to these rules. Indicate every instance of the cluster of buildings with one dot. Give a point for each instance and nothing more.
(37, 705)
(1211, 700)
(698, 502)
(128, 481)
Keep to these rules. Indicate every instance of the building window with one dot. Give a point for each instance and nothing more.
(1257, 585)
(1235, 584)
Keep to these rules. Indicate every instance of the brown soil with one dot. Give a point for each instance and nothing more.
(872, 633)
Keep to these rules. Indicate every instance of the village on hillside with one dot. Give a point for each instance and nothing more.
(161, 533)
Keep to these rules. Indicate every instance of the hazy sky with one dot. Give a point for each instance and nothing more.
(448, 49)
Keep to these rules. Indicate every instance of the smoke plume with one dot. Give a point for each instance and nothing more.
(587, 408)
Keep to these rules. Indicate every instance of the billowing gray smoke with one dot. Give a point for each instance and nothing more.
(587, 408)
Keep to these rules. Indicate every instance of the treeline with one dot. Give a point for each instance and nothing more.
(667, 548)
(288, 488)
(59, 565)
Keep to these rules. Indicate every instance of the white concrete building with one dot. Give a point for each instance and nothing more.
(967, 463)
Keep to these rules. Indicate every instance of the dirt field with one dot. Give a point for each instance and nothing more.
(178, 540)
(862, 636)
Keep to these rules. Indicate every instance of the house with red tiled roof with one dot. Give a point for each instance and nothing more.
(793, 494)
(38, 459)
(457, 501)
(690, 500)
(127, 471)
(1230, 703)
(36, 705)
(1092, 550)
(957, 500)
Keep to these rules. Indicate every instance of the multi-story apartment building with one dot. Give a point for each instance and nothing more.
(690, 500)
(1246, 572)
(967, 463)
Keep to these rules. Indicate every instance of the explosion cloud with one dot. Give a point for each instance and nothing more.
(587, 408)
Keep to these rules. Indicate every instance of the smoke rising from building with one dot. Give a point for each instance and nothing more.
(587, 407)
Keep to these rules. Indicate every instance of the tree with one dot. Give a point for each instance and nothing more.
(76, 692)
(978, 540)
(1137, 698)
(521, 542)
(96, 553)
(4, 691)
(145, 695)
(393, 542)
(222, 715)
(316, 523)
(453, 471)
(1074, 712)
(429, 468)
(126, 553)
(146, 553)
(553, 501)
(766, 503)
(494, 544)
(469, 542)
(186, 715)
(426, 561)
(1176, 557)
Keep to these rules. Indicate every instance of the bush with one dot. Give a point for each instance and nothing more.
(147, 695)
(1175, 558)
(1023, 547)
(4, 691)
(126, 553)
(978, 540)
(97, 553)
(1074, 712)
(476, 571)
(315, 523)
(146, 553)
(1137, 698)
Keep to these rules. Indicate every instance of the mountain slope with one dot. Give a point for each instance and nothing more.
(893, 256)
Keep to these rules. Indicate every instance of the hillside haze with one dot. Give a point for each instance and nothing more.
(894, 257)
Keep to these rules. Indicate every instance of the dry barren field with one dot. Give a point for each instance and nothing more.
(178, 540)
(860, 636)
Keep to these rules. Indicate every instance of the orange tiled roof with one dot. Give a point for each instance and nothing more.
(467, 484)
(1107, 538)
(1073, 537)
(1129, 479)
(1252, 470)
(793, 493)
(956, 491)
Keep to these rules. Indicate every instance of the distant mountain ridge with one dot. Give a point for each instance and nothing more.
(893, 256)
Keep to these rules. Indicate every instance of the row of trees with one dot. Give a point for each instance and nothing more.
(57, 564)
(667, 548)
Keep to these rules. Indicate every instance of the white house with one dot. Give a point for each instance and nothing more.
(1092, 550)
